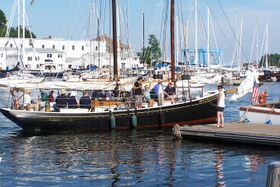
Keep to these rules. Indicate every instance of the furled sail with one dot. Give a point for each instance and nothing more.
(247, 84)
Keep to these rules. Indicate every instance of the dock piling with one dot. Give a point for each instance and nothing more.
(273, 174)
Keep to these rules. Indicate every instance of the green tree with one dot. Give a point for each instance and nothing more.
(151, 53)
(273, 60)
(3, 19)
(3, 22)
(154, 48)
(13, 31)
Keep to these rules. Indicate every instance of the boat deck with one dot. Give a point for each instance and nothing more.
(235, 132)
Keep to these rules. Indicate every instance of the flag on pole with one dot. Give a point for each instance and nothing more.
(255, 92)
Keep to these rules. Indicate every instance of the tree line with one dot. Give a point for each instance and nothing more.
(272, 59)
(13, 30)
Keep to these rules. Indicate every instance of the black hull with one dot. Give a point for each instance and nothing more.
(200, 111)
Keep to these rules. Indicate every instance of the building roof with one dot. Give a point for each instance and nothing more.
(44, 50)
(109, 42)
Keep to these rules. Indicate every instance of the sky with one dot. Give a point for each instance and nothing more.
(69, 19)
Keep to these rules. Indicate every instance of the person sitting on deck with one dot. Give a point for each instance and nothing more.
(262, 97)
(62, 99)
(15, 101)
(85, 100)
(147, 95)
(72, 100)
(43, 95)
(170, 92)
(27, 99)
(51, 97)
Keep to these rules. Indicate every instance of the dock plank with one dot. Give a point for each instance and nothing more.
(236, 132)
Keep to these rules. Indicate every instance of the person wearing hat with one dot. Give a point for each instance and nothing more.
(62, 100)
(220, 107)
(170, 92)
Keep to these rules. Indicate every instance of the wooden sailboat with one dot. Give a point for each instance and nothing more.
(119, 114)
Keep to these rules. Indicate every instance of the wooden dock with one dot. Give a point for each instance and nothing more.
(235, 132)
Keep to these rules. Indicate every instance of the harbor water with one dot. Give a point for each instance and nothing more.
(131, 157)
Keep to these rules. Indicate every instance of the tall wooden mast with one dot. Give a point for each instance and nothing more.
(115, 45)
(172, 41)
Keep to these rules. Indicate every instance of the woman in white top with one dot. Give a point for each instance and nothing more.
(27, 100)
(220, 107)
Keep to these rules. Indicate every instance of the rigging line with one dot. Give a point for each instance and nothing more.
(161, 23)
(11, 19)
(253, 42)
(219, 26)
(201, 22)
(165, 29)
(104, 16)
(125, 14)
(243, 52)
(180, 27)
(262, 50)
(214, 36)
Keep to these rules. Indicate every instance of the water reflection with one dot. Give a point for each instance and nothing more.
(219, 157)
(255, 161)
(126, 158)
(104, 156)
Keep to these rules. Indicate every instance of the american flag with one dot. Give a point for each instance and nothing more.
(255, 93)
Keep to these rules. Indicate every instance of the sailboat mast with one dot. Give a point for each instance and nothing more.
(115, 52)
(143, 31)
(172, 41)
(18, 31)
(23, 28)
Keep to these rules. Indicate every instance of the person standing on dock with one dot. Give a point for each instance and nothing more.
(220, 107)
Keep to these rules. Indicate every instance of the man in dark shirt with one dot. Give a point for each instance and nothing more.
(138, 92)
(61, 100)
(85, 100)
(170, 92)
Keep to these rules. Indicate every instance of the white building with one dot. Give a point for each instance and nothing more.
(61, 54)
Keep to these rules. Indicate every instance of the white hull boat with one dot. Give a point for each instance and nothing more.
(268, 113)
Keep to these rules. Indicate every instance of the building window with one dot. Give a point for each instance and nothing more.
(73, 47)
(29, 58)
(11, 45)
(63, 47)
(43, 46)
(83, 48)
(59, 55)
(96, 48)
(49, 55)
(53, 46)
